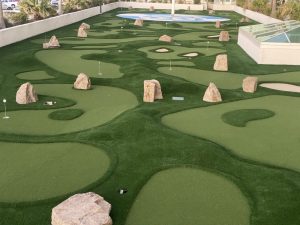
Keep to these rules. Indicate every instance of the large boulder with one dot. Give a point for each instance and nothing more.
(224, 36)
(82, 209)
(138, 22)
(250, 84)
(218, 24)
(81, 32)
(53, 43)
(221, 63)
(85, 26)
(83, 82)
(152, 90)
(165, 38)
(212, 94)
(26, 94)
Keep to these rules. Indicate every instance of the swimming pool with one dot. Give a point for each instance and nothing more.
(172, 18)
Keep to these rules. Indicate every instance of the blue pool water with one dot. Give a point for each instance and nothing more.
(172, 18)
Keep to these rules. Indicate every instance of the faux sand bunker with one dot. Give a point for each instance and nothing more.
(282, 87)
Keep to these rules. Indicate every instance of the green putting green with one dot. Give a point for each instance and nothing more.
(274, 140)
(240, 117)
(210, 44)
(66, 114)
(177, 52)
(101, 104)
(71, 62)
(94, 33)
(189, 196)
(94, 46)
(31, 172)
(176, 63)
(195, 36)
(75, 41)
(34, 75)
(225, 80)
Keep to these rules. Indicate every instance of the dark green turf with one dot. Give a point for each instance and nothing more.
(240, 117)
(136, 141)
(66, 114)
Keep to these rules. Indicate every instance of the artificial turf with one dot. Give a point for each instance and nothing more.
(66, 114)
(136, 141)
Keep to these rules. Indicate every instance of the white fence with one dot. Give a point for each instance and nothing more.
(144, 5)
(258, 17)
(18, 33)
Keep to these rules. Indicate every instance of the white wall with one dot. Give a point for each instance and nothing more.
(18, 33)
(258, 17)
(221, 7)
(144, 5)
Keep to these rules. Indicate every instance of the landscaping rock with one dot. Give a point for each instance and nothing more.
(250, 84)
(224, 36)
(53, 43)
(218, 24)
(221, 63)
(82, 209)
(151, 9)
(138, 22)
(211, 12)
(26, 94)
(85, 26)
(244, 20)
(82, 32)
(83, 82)
(165, 38)
(212, 94)
(152, 90)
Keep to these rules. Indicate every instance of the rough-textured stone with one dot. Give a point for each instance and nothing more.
(212, 94)
(138, 22)
(165, 38)
(26, 94)
(211, 12)
(85, 26)
(82, 209)
(152, 90)
(151, 9)
(53, 43)
(82, 32)
(221, 63)
(224, 36)
(250, 84)
(218, 24)
(82, 82)
(244, 20)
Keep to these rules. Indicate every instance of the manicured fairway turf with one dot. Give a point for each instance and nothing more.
(71, 62)
(34, 75)
(100, 105)
(274, 140)
(31, 172)
(247, 183)
(176, 196)
(178, 51)
(225, 80)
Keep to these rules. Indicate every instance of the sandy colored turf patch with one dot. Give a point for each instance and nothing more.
(31, 172)
(282, 87)
(189, 196)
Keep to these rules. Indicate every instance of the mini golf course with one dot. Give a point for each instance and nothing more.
(182, 162)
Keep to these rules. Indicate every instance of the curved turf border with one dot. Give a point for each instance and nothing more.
(240, 118)
(66, 114)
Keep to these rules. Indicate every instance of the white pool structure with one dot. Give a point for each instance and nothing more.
(164, 17)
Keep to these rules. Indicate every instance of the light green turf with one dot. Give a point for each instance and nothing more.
(32, 172)
(34, 75)
(176, 63)
(101, 104)
(210, 44)
(274, 140)
(189, 196)
(94, 47)
(113, 23)
(225, 80)
(194, 36)
(70, 62)
(94, 33)
(177, 50)
(162, 26)
(75, 41)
